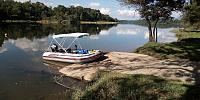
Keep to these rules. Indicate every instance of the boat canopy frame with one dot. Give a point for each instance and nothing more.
(64, 36)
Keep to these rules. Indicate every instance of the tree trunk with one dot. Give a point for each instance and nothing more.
(155, 30)
(156, 34)
(150, 30)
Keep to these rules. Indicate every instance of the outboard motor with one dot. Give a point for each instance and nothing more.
(54, 48)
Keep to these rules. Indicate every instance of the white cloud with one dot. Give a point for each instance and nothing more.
(105, 10)
(94, 37)
(76, 4)
(104, 32)
(146, 35)
(28, 45)
(21, 0)
(129, 13)
(176, 15)
(126, 31)
(49, 4)
(164, 35)
(94, 4)
(3, 49)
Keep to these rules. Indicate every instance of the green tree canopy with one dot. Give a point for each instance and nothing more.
(191, 16)
(153, 11)
(12, 10)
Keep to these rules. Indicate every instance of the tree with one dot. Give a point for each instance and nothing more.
(153, 11)
(191, 16)
(12, 10)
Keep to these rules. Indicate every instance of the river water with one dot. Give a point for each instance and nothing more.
(25, 76)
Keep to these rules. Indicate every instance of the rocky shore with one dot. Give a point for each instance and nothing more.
(132, 63)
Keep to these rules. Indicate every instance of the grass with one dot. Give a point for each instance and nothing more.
(116, 86)
(188, 47)
(185, 35)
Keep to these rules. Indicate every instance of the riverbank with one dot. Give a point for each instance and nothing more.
(31, 21)
(187, 47)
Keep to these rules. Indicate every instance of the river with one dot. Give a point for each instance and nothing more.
(25, 76)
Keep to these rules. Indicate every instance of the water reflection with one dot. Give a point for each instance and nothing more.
(31, 31)
(31, 45)
(2, 50)
(128, 30)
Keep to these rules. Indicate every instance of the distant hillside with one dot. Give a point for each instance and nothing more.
(11, 10)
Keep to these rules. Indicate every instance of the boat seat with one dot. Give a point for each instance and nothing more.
(61, 50)
(83, 51)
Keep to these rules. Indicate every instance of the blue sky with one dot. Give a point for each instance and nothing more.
(110, 7)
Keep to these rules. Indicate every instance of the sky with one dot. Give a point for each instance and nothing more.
(110, 7)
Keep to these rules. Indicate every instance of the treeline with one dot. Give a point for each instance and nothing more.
(12, 10)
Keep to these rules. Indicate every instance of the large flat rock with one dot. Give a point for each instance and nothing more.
(132, 63)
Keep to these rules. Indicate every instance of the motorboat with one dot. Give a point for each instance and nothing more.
(57, 52)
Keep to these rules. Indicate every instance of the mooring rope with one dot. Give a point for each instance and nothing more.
(59, 80)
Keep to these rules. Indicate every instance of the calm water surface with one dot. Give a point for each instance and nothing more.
(23, 74)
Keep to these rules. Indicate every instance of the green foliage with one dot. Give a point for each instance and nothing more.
(155, 9)
(116, 86)
(11, 10)
(192, 17)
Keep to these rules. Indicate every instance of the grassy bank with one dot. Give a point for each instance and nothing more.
(115, 86)
(188, 47)
(181, 34)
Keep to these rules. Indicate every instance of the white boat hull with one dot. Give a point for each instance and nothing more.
(72, 58)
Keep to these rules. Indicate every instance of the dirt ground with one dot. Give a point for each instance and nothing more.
(132, 63)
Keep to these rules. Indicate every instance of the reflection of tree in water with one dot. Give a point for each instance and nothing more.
(32, 31)
(1, 39)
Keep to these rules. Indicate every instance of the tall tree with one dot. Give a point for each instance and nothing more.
(153, 11)
(191, 16)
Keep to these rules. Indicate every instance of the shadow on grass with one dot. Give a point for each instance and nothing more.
(185, 49)
(115, 86)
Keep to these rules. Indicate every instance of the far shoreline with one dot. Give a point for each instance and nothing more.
(56, 22)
